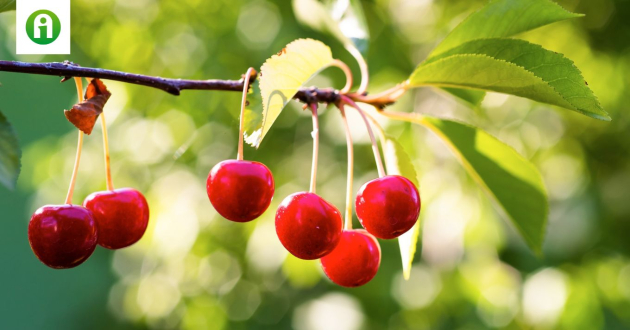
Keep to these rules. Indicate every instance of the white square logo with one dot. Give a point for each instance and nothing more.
(42, 27)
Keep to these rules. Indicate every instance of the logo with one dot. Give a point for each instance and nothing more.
(43, 27)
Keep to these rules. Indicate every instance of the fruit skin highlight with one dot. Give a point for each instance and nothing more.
(355, 260)
(121, 216)
(388, 206)
(308, 226)
(62, 236)
(240, 190)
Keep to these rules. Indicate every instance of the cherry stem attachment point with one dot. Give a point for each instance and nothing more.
(346, 70)
(350, 176)
(241, 127)
(77, 160)
(315, 147)
(377, 153)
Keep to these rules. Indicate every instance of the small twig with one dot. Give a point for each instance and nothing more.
(175, 86)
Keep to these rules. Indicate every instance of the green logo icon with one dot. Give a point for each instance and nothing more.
(43, 27)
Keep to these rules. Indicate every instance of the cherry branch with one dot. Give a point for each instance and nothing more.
(68, 70)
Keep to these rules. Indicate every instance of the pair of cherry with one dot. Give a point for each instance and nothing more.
(64, 236)
(309, 227)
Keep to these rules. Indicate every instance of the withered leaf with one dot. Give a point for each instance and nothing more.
(83, 115)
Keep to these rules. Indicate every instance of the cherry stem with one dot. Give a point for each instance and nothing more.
(315, 147)
(241, 127)
(363, 67)
(346, 70)
(77, 160)
(108, 168)
(377, 153)
(348, 219)
(379, 128)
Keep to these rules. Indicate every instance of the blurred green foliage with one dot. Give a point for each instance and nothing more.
(194, 270)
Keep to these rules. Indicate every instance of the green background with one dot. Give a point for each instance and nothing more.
(194, 270)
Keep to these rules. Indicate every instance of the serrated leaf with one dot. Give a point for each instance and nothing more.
(283, 74)
(514, 67)
(9, 154)
(343, 19)
(513, 181)
(6, 5)
(504, 18)
(398, 163)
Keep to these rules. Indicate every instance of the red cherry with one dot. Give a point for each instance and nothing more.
(62, 236)
(355, 260)
(389, 206)
(121, 216)
(308, 226)
(240, 190)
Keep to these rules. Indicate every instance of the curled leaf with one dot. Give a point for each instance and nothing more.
(280, 78)
(83, 115)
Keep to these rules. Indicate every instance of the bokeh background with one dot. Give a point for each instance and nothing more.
(195, 270)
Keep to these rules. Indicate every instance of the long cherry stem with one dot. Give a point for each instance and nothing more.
(346, 70)
(363, 67)
(377, 153)
(315, 147)
(108, 168)
(350, 176)
(241, 127)
(77, 160)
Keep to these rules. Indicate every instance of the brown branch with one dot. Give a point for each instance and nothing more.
(174, 86)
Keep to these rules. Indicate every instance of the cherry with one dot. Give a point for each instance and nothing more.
(308, 226)
(62, 236)
(240, 190)
(355, 260)
(388, 206)
(121, 216)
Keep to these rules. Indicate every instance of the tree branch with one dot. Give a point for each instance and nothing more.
(175, 86)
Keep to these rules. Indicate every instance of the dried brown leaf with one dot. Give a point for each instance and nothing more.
(84, 114)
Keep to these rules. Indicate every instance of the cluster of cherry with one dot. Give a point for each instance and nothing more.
(309, 227)
(64, 236)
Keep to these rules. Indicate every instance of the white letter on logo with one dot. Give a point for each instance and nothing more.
(43, 20)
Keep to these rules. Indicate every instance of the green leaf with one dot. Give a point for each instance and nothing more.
(9, 154)
(514, 67)
(513, 181)
(470, 96)
(343, 19)
(504, 18)
(6, 5)
(398, 163)
(283, 74)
